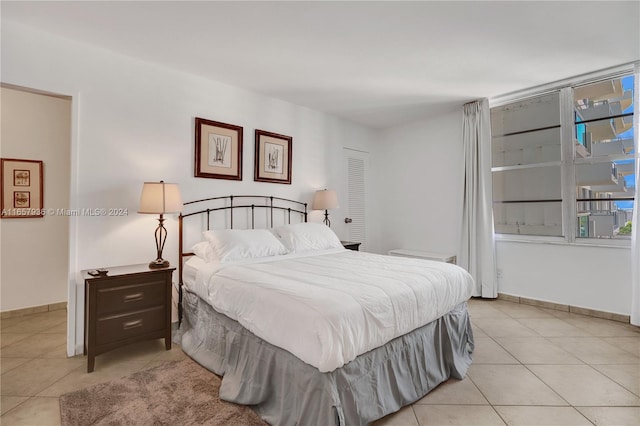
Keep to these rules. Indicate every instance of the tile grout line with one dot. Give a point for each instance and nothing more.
(584, 363)
(486, 399)
(614, 380)
(528, 369)
(41, 355)
(480, 390)
(415, 416)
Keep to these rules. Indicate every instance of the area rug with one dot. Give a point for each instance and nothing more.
(176, 393)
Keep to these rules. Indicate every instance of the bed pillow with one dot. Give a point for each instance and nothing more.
(204, 251)
(307, 236)
(239, 244)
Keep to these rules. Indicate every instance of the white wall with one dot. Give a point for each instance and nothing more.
(35, 251)
(417, 173)
(589, 277)
(136, 123)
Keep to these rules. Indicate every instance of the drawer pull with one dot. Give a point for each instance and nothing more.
(136, 297)
(132, 324)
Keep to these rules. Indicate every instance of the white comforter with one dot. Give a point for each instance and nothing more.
(328, 308)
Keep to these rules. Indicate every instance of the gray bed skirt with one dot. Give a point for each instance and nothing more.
(283, 390)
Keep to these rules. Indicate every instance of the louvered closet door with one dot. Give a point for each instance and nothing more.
(356, 171)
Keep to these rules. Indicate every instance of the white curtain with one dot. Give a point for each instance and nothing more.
(635, 222)
(478, 244)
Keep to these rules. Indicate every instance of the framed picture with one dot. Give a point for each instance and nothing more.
(218, 150)
(273, 157)
(21, 192)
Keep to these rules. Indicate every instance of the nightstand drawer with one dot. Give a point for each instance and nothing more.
(117, 296)
(120, 327)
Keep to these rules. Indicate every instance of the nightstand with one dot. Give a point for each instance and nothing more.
(128, 304)
(351, 245)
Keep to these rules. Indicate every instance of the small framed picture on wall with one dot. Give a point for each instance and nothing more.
(273, 157)
(22, 192)
(218, 150)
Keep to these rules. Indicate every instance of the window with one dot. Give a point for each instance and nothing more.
(526, 160)
(563, 162)
(604, 157)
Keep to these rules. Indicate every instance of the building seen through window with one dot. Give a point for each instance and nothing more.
(604, 157)
(552, 180)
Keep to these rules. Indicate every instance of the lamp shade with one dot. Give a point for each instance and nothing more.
(325, 199)
(160, 198)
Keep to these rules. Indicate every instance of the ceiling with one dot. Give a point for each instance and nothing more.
(376, 63)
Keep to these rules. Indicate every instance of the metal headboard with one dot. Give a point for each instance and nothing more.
(268, 203)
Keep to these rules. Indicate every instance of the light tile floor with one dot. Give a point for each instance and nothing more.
(532, 366)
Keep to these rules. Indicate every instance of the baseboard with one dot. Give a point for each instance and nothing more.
(33, 310)
(566, 308)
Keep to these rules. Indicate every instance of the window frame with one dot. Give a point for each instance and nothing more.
(568, 158)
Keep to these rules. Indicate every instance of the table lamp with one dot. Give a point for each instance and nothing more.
(325, 199)
(160, 198)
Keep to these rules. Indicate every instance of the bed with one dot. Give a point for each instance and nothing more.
(307, 332)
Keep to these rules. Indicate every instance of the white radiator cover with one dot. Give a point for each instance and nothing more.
(429, 255)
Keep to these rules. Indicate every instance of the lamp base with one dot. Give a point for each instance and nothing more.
(326, 218)
(159, 263)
